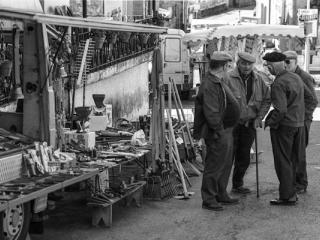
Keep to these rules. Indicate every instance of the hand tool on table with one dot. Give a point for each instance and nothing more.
(8, 197)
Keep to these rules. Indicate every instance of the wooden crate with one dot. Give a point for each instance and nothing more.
(10, 167)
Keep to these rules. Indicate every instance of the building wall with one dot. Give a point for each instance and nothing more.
(282, 12)
(241, 3)
(49, 5)
(125, 86)
(113, 8)
(30, 5)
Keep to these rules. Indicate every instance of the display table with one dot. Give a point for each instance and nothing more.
(22, 190)
(103, 211)
(102, 203)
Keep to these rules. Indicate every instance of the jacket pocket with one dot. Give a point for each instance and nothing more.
(257, 100)
(238, 97)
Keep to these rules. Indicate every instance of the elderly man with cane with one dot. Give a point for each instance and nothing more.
(286, 122)
(310, 105)
(253, 96)
(216, 113)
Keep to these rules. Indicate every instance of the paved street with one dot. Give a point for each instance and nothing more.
(185, 219)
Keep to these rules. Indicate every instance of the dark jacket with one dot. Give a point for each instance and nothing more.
(287, 98)
(259, 103)
(213, 100)
(310, 102)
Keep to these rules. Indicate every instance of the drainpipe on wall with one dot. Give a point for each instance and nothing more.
(154, 7)
(269, 12)
(84, 9)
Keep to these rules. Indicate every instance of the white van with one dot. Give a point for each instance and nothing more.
(176, 60)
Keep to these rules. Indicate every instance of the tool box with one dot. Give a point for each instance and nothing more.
(85, 139)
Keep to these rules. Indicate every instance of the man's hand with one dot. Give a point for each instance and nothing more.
(216, 135)
(257, 123)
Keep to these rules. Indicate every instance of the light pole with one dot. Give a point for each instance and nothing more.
(239, 11)
(307, 48)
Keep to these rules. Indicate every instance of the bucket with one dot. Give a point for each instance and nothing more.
(144, 38)
(98, 100)
(5, 68)
(99, 42)
(83, 112)
(125, 36)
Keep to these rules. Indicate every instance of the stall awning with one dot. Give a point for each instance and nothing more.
(262, 30)
(202, 35)
(81, 22)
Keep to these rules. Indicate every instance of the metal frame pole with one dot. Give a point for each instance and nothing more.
(307, 48)
(257, 162)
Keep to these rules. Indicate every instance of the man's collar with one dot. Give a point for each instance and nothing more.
(236, 73)
(214, 77)
(298, 70)
(281, 72)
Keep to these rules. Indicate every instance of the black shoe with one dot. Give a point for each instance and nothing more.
(241, 190)
(212, 206)
(227, 200)
(285, 202)
(301, 190)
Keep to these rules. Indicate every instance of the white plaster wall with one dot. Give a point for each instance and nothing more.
(111, 5)
(24, 5)
(127, 91)
(49, 5)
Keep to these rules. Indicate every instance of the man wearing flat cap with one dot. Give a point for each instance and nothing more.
(310, 105)
(253, 96)
(286, 122)
(216, 113)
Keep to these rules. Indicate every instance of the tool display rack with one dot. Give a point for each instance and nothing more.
(102, 212)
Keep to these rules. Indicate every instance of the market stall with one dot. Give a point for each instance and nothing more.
(40, 153)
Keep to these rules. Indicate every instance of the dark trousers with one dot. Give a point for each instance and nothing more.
(288, 146)
(243, 139)
(217, 166)
(301, 174)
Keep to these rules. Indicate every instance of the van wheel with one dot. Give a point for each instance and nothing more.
(14, 222)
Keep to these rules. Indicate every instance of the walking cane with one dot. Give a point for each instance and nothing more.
(257, 162)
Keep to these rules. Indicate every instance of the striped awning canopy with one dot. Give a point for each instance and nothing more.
(261, 30)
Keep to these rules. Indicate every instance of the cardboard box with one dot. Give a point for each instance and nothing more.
(87, 139)
(98, 123)
(101, 122)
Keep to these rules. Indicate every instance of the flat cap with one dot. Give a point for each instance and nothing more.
(274, 57)
(247, 57)
(291, 55)
(221, 56)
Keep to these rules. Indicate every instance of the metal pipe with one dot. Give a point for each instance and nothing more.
(84, 9)
(257, 161)
(307, 48)
(269, 12)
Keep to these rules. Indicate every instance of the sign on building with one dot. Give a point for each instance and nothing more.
(308, 18)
